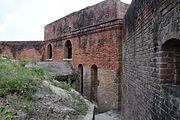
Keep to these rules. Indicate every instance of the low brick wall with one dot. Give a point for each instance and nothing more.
(29, 50)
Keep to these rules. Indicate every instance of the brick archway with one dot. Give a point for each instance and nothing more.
(169, 65)
(68, 50)
(49, 51)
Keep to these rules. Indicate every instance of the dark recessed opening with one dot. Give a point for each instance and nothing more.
(49, 51)
(68, 50)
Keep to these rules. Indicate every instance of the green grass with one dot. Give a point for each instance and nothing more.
(79, 103)
(19, 80)
(63, 85)
(80, 106)
(6, 113)
(22, 82)
(22, 62)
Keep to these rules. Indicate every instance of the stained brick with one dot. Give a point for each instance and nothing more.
(96, 37)
(163, 39)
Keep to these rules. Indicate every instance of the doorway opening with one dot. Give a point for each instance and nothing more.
(49, 51)
(94, 83)
(80, 69)
(68, 50)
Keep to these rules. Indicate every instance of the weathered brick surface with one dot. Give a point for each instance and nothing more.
(103, 11)
(98, 45)
(30, 50)
(150, 87)
(96, 35)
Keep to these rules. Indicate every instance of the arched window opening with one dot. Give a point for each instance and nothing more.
(68, 50)
(81, 84)
(170, 62)
(49, 51)
(94, 83)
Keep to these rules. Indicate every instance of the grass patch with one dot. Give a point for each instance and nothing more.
(21, 83)
(9, 111)
(80, 106)
(79, 103)
(23, 62)
(19, 80)
(6, 113)
(63, 85)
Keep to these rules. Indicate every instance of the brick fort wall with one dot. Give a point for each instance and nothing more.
(150, 84)
(29, 50)
(96, 35)
(98, 47)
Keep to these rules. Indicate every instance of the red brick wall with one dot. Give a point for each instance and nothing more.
(150, 89)
(30, 50)
(102, 49)
(103, 11)
(96, 41)
(98, 45)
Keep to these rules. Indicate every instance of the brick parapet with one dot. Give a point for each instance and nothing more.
(103, 11)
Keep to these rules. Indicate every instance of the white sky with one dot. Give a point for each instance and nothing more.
(25, 19)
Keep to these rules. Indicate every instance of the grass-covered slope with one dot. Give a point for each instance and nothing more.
(21, 92)
(18, 85)
(19, 80)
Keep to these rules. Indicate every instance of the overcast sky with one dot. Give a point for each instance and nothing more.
(25, 19)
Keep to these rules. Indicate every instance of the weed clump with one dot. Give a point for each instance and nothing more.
(20, 82)
(63, 85)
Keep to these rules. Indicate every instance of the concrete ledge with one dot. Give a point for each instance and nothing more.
(67, 60)
(53, 68)
(49, 59)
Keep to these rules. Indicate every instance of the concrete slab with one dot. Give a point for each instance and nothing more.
(53, 68)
